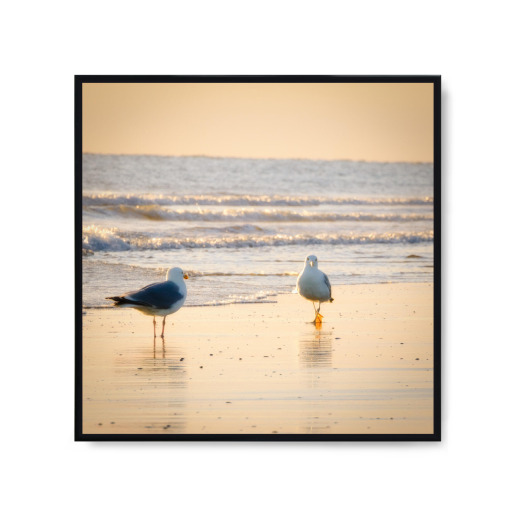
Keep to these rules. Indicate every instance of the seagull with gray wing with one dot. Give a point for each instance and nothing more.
(314, 285)
(158, 299)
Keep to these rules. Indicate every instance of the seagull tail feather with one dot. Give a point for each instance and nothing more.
(117, 299)
(123, 300)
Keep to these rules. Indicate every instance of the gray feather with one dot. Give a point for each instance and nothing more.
(327, 282)
(158, 295)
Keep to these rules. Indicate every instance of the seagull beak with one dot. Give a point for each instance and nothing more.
(311, 263)
(185, 276)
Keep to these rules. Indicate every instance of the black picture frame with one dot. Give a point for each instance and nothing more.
(79, 80)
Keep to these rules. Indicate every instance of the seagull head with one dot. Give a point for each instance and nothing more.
(311, 260)
(176, 274)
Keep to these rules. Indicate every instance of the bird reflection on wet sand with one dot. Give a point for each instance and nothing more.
(154, 347)
(315, 348)
(152, 384)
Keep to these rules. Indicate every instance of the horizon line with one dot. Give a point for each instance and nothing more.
(263, 158)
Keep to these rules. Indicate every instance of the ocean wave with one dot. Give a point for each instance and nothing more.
(260, 297)
(100, 239)
(103, 239)
(158, 213)
(198, 273)
(241, 200)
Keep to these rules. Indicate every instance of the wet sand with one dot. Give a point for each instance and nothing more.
(261, 368)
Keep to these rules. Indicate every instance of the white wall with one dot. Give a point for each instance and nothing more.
(45, 43)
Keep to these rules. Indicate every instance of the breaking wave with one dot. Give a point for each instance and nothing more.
(240, 200)
(158, 213)
(97, 239)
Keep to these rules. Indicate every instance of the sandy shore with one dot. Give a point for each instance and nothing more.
(261, 368)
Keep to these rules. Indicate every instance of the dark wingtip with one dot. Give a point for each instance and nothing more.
(117, 300)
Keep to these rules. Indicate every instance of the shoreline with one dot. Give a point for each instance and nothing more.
(262, 368)
(269, 300)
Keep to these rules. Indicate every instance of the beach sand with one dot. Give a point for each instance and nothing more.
(262, 369)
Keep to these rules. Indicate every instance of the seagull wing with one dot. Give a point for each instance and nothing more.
(327, 282)
(158, 296)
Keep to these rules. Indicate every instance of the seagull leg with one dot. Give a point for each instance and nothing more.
(154, 327)
(318, 319)
(316, 313)
(163, 328)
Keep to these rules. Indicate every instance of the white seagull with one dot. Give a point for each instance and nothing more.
(158, 299)
(314, 285)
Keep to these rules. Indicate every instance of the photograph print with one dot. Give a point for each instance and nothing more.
(257, 258)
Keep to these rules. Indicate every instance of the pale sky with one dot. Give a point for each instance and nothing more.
(374, 122)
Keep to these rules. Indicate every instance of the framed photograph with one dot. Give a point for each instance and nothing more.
(258, 258)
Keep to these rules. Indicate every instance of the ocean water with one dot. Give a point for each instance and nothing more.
(241, 228)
